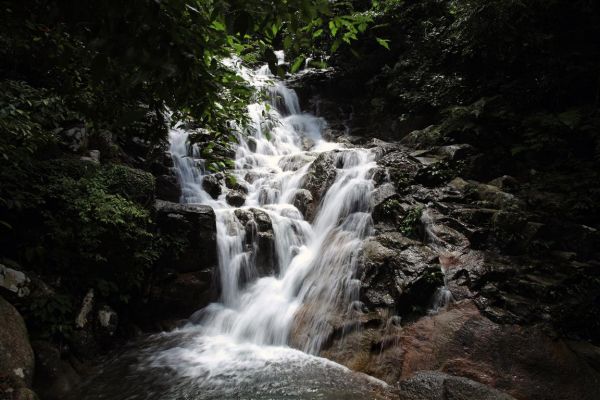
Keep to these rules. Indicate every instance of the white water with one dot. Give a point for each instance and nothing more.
(252, 324)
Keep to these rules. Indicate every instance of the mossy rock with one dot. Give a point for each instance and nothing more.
(133, 184)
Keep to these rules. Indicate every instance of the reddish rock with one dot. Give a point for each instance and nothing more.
(521, 361)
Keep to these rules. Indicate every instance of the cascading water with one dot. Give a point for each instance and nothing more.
(316, 263)
(242, 340)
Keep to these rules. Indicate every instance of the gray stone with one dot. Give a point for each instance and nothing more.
(14, 281)
(435, 385)
(16, 356)
(303, 200)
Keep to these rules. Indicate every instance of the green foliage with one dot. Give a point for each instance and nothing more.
(51, 316)
(85, 223)
(410, 222)
(390, 207)
(28, 119)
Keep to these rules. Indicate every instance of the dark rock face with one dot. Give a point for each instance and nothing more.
(167, 188)
(211, 185)
(196, 225)
(16, 356)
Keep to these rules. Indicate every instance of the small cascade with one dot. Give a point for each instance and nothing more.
(442, 296)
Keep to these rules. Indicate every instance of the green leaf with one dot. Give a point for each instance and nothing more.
(383, 42)
(317, 33)
(297, 64)
(218, 26)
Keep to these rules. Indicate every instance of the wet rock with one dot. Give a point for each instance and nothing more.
(260, 239)
(195, 224)
(319, 178)
(435, 385)
(460, 341)
(398, 273)
(385, 203)
(489, 195)
(185, 294)
(55, 377)
(233, 184)
(211, 185)
(303, 201)
(235, 198)
(456, 152)
(505, 183)
(251, 141)
(16, 356)
(162, 164)
(383, 193)
(400, 166)
(295, 161)
(167, 188)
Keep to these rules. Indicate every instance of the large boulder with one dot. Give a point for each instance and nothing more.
(319, 178)
(16, 356)
(194, 225)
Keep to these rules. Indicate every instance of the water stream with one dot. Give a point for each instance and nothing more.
(239, 347)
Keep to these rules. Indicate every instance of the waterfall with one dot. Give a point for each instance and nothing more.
(276, 308)
(313, 264)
